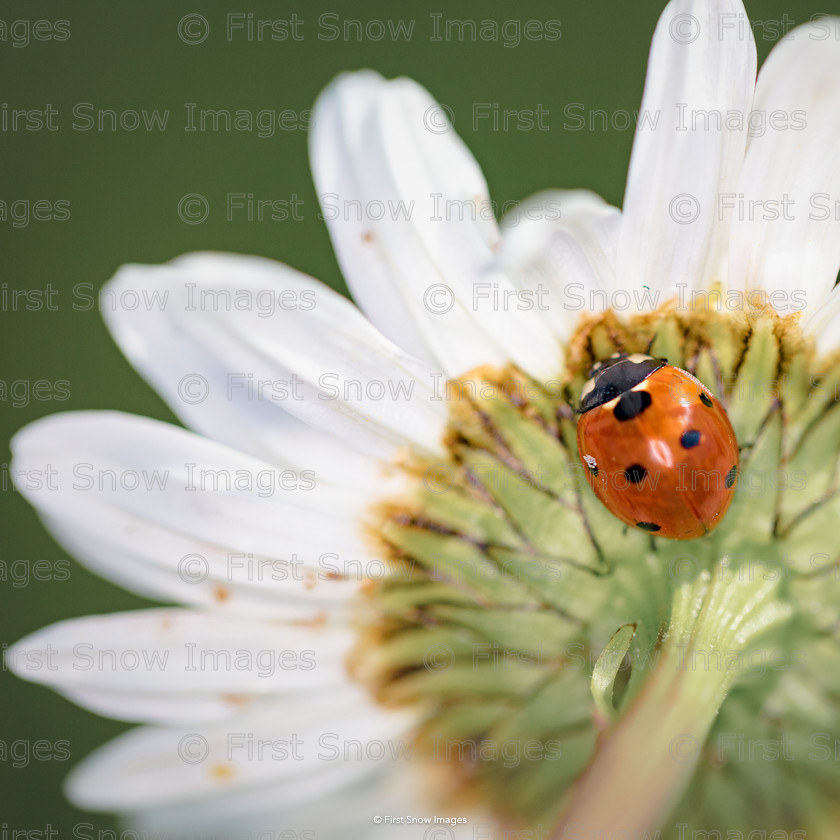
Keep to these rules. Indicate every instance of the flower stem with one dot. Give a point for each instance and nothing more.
(644, 762)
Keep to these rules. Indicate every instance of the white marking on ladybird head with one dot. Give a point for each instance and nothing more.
(637, 358)
(587, 388)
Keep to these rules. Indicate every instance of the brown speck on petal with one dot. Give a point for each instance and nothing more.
(319, 620)
(221, 772)
(221, 593)
(236, 699)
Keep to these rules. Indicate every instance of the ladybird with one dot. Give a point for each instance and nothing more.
(656, 446)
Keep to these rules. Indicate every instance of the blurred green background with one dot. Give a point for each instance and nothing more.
(122, 189)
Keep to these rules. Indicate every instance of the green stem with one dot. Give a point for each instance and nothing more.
(644, 763)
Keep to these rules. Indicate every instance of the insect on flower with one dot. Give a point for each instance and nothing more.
(659, 449)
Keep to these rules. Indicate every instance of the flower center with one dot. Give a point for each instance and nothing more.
(526, 622)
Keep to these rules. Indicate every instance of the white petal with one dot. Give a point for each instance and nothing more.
(178, 666)
(187, 709)
(235, 343)
(689, 147)
(415, 268)
(337, 811)
(561, 245)
(159, 563)
(786, 236)
(140, 500)
(345, 813)
(824, 324)
(302, 754)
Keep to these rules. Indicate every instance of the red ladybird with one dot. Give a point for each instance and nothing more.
(658, 448)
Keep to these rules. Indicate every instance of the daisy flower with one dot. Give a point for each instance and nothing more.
(399, 595)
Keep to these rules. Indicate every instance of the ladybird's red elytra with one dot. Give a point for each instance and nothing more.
(657, 446)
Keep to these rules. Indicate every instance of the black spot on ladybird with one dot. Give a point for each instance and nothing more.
(705, 400)
(631, 404)
(731, 477)
(648, 526)
(690, 439)
(635, 473)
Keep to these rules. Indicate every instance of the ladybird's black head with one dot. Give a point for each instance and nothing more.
(612, 377)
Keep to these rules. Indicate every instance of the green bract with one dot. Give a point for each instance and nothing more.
(554, 649)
